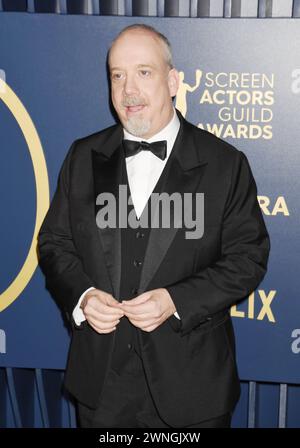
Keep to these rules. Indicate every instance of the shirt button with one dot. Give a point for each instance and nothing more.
(137, 263)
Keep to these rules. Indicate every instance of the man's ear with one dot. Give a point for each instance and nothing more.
(173, 81)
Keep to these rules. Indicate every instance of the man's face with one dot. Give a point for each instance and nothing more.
(142, 83)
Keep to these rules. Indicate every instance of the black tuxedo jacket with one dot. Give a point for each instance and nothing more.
(190, 364)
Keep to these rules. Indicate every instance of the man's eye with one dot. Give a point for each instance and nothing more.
(116, 76)
(145, 73)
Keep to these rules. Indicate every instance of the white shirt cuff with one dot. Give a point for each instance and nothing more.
(77, 314)
(176, 315)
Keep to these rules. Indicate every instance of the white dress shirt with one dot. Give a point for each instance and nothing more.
(143, 171)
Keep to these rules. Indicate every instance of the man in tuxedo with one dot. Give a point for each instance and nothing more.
(152, 339)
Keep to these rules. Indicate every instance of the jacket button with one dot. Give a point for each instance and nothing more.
(134, 291)
(129, 346)
(137, 263)
(139, 235)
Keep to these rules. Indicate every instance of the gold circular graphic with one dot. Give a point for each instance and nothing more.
(29, 131)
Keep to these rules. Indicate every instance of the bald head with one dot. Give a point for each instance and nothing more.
(161, 40)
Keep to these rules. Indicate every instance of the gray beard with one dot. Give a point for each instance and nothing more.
(137, 126)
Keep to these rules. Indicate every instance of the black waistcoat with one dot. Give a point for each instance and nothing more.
(133, 248)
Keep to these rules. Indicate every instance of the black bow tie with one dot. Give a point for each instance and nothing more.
(132, 147)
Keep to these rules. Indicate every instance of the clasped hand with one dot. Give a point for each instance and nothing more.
(146, 311)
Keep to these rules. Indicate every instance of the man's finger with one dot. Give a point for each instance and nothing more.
(105, 309)
(136, 309)
(144, 324)
(102, 326)
(103, 331)
(137, 300)
(92, 313)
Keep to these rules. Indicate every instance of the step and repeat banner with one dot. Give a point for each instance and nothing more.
(240, 79)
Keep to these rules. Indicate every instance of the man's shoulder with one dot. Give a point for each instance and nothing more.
(212, 147)
(97, 138)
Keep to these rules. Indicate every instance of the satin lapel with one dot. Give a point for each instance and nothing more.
(184, 173)
(107, 172)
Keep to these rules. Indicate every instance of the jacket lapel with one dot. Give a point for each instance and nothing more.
(184, 173)
(107, 162)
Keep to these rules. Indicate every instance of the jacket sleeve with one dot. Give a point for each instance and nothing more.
(59, 260)
(243, 258)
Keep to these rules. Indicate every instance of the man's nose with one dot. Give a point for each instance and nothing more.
(130, 86)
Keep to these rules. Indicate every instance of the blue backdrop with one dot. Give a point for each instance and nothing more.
(239, 80)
